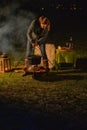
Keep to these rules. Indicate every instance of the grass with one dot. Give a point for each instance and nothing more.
(57, 101)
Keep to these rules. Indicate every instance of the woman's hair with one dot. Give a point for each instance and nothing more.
(45, 20)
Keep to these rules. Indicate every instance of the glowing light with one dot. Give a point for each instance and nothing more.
(42, 8)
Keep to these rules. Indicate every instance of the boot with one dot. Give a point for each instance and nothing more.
(45, 65)
(26, 67)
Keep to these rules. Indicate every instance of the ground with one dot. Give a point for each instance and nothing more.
(56, 101)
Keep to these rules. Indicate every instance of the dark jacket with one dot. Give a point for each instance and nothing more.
(36, 34)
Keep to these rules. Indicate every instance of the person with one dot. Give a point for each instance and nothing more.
(37, 34)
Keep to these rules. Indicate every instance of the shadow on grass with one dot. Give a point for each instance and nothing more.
(55, 76)
(67, 74)
(15, 118)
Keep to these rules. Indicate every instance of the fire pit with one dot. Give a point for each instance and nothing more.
(36, 60)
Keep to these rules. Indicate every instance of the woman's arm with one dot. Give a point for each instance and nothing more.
(30, 30)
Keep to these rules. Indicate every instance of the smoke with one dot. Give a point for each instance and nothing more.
(13, 26)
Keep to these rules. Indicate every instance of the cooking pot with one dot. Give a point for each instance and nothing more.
(34, 59)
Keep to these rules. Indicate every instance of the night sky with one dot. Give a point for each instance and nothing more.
(68, 17)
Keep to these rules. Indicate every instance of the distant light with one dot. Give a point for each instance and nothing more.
(42, 8)
(57, 7)
(74, 7)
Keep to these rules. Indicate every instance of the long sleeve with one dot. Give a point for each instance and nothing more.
(30, 31)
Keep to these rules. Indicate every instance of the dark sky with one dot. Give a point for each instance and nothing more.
(49, 6)
(82, 3)
(15, 16)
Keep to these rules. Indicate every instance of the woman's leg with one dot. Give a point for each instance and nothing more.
(29, 52)
(44, 56)
(43, 51)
